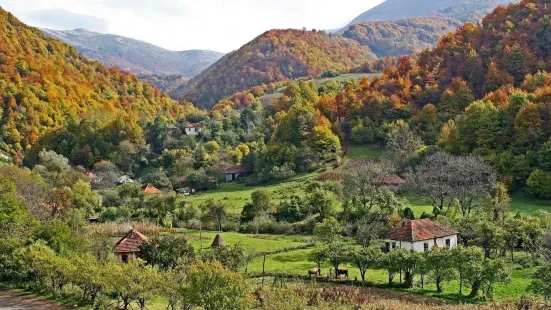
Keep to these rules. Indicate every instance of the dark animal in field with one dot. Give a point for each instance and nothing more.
(314, 272)
(343, 272)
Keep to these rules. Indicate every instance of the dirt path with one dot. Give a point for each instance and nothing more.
(12, 300)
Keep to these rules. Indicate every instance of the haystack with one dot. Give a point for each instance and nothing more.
(218, 242)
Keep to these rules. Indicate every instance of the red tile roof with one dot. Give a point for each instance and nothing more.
(235, 169)
(131, 242)
(150, 189)
(419, 230)
(392, 180)
(192, 125)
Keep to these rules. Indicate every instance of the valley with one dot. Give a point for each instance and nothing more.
(401, 163)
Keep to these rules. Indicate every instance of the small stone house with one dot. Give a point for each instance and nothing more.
(193, 129)
(127, 250)
(233, 172)
(421, 236)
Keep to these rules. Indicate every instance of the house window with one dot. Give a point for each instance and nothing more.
(393, 245)
(124, 258)
(426, 246)
(448, 243)
(387, 246)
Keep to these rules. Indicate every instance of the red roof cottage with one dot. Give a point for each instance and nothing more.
(150, 189)
(127, 250)
(421, 235)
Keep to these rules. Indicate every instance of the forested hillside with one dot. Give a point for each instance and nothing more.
(411, 35)
(135, 56)
(46, 84)
(403, 37)
(274, 56)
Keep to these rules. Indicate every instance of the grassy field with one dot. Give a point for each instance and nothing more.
(236, 195)
(296, 262)
(343, 78)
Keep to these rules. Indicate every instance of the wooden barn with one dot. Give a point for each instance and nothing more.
(127, 250)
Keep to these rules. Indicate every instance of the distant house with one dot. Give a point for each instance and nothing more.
(421, 235)
(233, 172)
(124, 180)
(127, 250)
(185, 191)
(193, 129)
(392, 180)
(150, 189)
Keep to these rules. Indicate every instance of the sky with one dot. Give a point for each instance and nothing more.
(218, 25)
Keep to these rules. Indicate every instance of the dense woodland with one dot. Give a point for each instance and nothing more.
(403, 37)
(46, 84)
(274, 56)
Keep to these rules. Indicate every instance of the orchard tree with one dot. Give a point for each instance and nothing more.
(336, 255)
(440, 261)
(318, 255)
(328, 231)
(213, 287)
(464, 259)
(215, 211)
(541, 283)
(364, 258)
(484, 274)
(167, 252)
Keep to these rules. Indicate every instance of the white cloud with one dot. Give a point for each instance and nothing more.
(220, 25)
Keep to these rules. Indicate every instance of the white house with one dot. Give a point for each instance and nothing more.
(421, 235)
(124, 180)
(193, 129)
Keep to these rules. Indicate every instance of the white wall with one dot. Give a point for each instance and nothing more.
(419, 246)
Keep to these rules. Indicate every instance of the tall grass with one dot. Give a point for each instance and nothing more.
(117, 229)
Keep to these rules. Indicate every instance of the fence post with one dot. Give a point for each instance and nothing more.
(263, 265)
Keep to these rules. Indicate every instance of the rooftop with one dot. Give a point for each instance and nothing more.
(150, 189)
(419, 230)
(235, 169)
(131, 242)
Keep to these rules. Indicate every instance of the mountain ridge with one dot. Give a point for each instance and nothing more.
(134, 55)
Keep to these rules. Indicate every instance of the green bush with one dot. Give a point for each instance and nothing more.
(539, 184)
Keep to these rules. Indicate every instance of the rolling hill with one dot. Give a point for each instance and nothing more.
(46, 84)
(135, 56)
(393, 10)
(274, 56)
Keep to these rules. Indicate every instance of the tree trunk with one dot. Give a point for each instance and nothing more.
(362, 272)
(460, 284)
(422, 281)
(409, 279)
(474, 290)
(390, 277)
(439, 284)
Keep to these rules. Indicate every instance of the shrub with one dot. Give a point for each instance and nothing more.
(539, 184)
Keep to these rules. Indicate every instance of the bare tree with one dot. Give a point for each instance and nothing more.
(371, 227)
(474, 179)
(433, 179)
(444, 178)
(363, 180)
